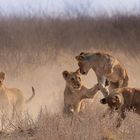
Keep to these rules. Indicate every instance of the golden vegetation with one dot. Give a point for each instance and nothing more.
(37, 49)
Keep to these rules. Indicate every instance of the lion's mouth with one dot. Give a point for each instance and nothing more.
(77, 86)
(83, 72)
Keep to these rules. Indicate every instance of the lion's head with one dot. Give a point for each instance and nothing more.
(84, 62)
(73, 79)
(113, 100)
(2, 77)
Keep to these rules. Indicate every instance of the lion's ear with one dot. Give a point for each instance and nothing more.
(80, 57)
(78, 71)
(65, 74)
(2, 75)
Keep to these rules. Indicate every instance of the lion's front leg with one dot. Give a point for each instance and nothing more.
(101, 84)
(120, 84)
(121, 117)
(68, 109)
(91, 92)
(82, 106)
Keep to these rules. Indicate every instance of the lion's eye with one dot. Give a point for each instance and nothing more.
(72, 79)
(79, 78)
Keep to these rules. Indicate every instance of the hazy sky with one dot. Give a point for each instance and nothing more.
(60, 6)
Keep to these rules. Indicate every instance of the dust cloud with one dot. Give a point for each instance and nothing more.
(49, 84)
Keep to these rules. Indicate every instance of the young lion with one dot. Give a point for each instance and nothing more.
(75, 92)
(107, 69)
(123, 99)
(12, 98)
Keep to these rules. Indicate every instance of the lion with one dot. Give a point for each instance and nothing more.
(12, 98)
(75, 93)
(107, 69)
(122, 99)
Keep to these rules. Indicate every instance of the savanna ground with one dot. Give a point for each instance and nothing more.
(35, 50)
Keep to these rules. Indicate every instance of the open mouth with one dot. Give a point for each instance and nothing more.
(77, 87)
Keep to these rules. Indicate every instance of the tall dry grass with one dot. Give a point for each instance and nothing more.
(87, 126)
(33, 41)
(35, 50)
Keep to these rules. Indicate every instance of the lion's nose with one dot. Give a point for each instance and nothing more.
(83, 72)
(78, 84)
(103, 101)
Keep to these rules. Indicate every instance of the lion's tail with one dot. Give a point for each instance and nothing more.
(28, 100)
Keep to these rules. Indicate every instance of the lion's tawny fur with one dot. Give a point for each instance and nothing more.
(12, 98)
(75, 92)
(106, 67)
(123, 99)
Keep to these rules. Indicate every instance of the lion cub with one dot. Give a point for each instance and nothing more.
(75, 92)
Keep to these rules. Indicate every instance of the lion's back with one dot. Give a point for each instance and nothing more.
(15, 95)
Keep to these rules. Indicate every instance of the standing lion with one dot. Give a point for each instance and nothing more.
(107, 69)
(12, 99)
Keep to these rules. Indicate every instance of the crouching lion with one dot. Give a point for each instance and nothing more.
(12, 98)
(75, 93)
(107, 69)
(123, 99)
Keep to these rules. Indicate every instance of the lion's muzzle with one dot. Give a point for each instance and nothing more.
(103, 101)
(77, 86)
(83, 72)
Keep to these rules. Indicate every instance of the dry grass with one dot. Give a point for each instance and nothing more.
(88, 126)
(35, 51)
(33, 41)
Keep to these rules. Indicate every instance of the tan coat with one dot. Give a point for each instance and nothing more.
(75, 93)
(74, 99)
(106, 68)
